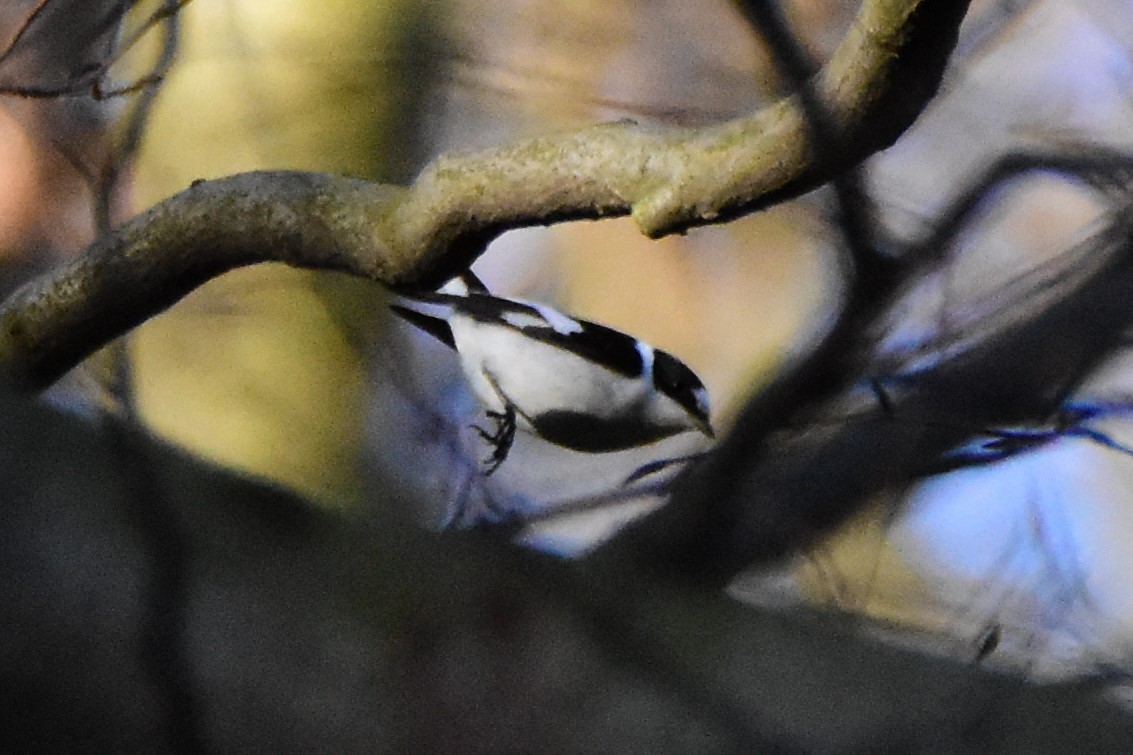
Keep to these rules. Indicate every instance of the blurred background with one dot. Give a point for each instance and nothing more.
(302, 378)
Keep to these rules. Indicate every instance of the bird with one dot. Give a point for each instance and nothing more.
(574, 383)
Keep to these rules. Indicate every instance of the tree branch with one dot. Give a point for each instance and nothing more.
(882, 75)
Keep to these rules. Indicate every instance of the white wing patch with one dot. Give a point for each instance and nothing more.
(557, 320)
(546, 316)
(523, 320)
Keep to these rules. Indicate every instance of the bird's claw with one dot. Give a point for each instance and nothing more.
(501, 438)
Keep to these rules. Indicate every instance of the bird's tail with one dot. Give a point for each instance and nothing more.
(417, 308)
(435, 326)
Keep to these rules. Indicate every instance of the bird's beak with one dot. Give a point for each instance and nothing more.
(704, 426)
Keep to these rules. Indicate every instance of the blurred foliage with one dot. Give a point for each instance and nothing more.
(265, 368)
(270, 370)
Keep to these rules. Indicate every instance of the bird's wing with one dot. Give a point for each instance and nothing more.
(604, 346)
(609, 348)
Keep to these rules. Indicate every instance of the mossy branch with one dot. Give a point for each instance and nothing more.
(885, 71)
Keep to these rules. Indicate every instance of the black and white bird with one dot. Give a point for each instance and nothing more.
(577, 384)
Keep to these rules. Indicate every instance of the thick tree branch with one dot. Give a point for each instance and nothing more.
(308, 220)
(669, 180)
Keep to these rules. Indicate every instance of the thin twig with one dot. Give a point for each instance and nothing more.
(139, 117)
